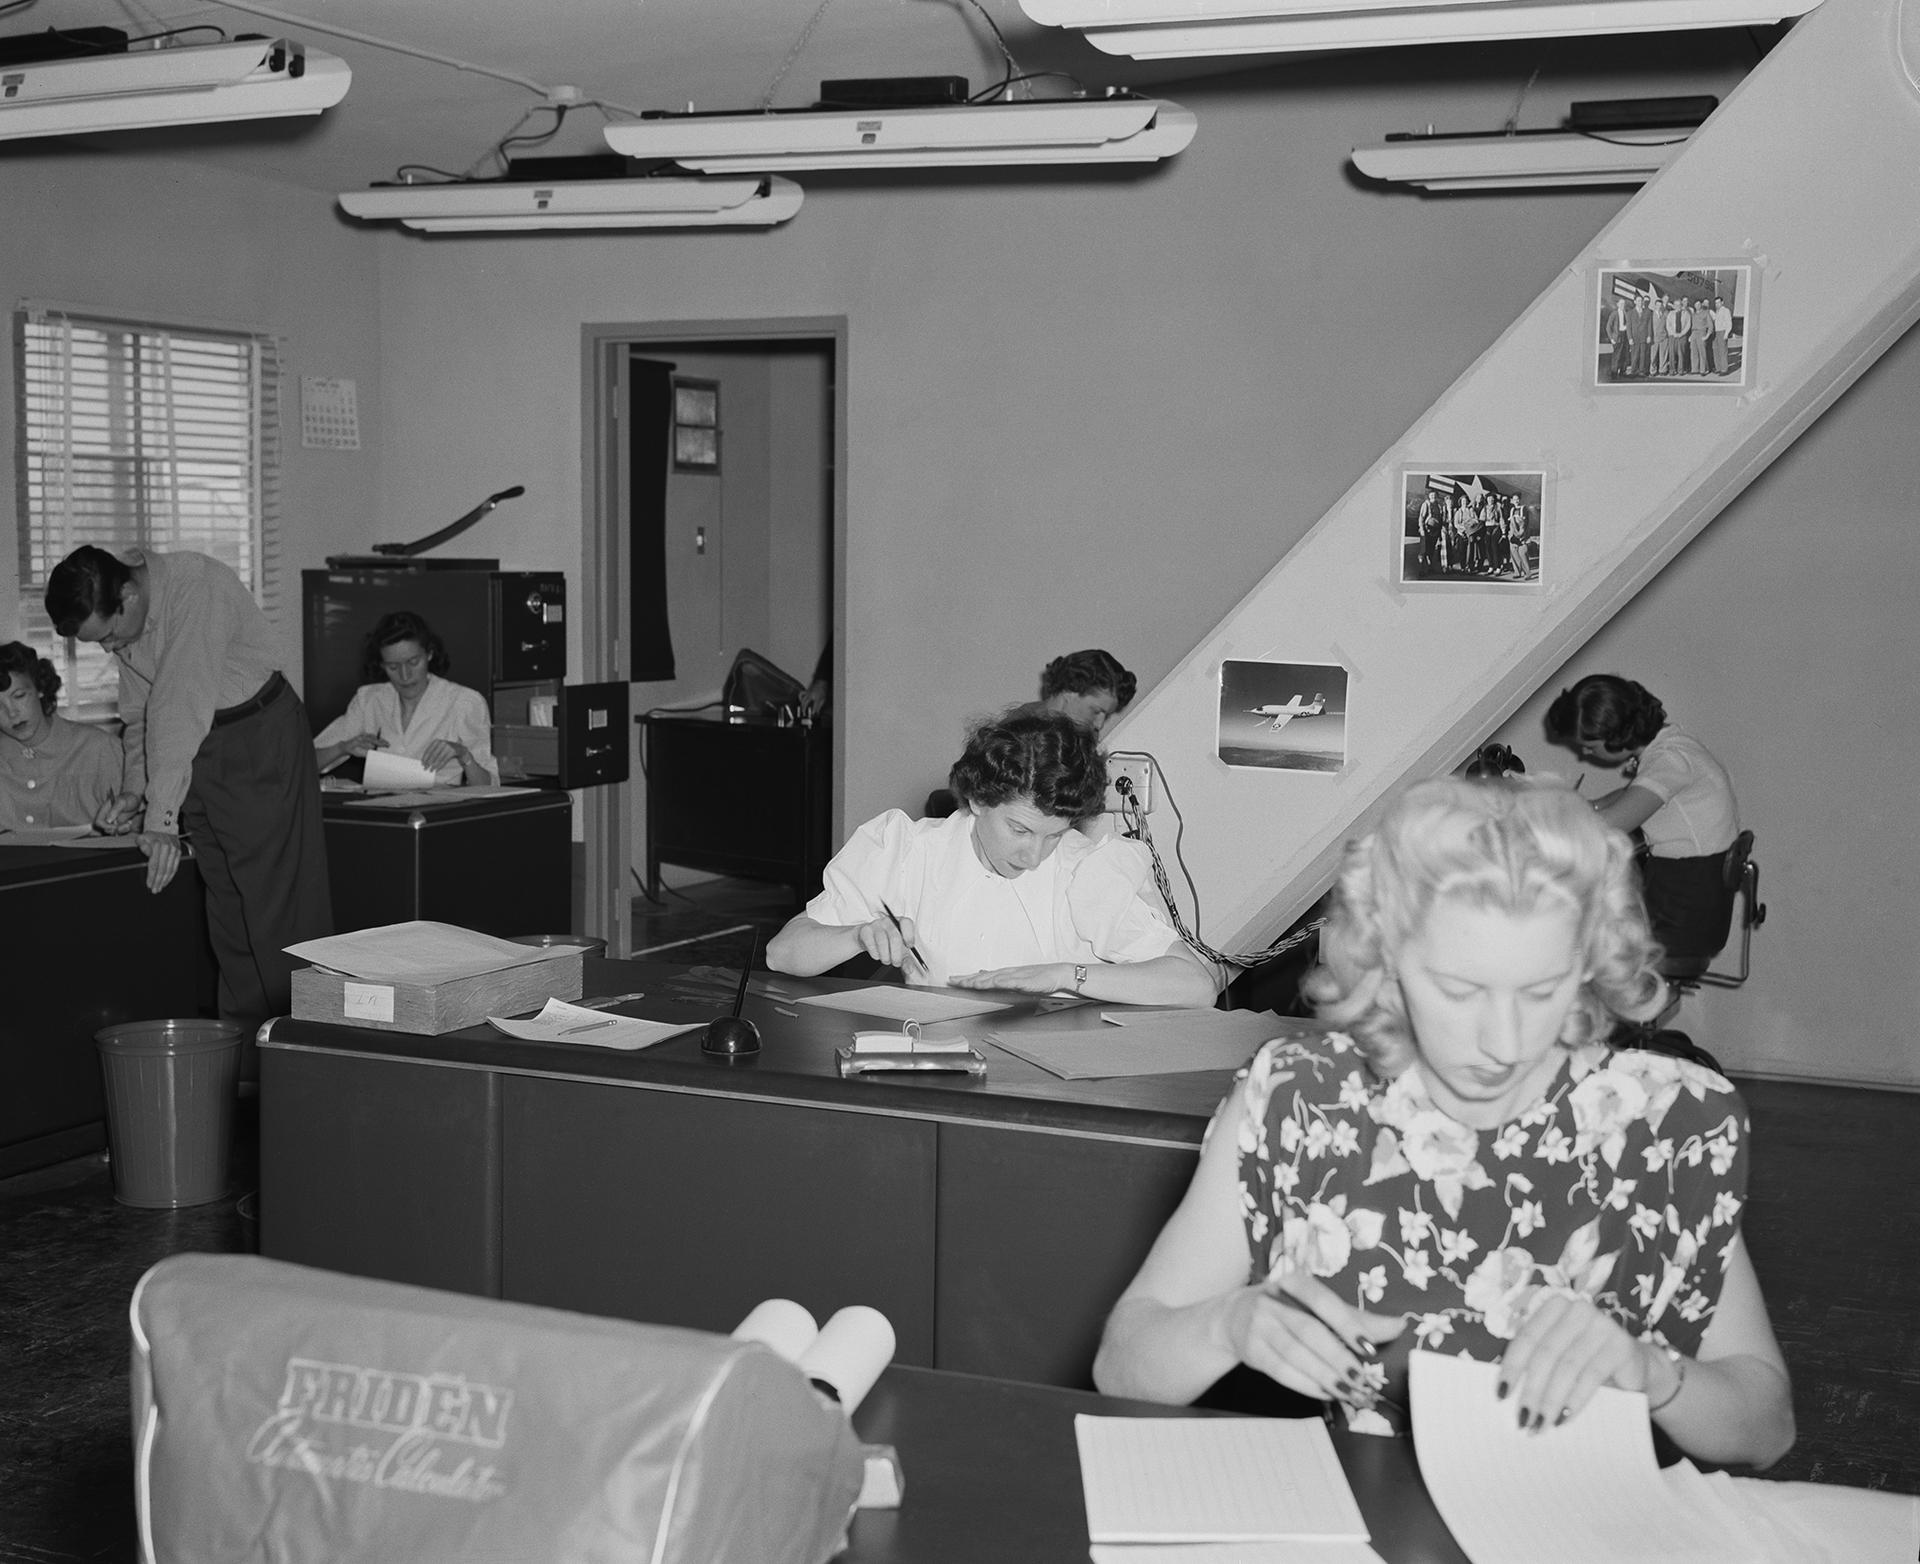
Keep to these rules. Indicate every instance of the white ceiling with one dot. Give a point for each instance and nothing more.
(638, 54)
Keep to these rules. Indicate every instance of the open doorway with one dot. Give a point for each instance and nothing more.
(714, 520)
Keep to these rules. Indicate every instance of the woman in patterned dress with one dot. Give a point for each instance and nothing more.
(1464, 1165)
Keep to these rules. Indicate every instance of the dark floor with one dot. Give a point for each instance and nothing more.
(1833, 1222)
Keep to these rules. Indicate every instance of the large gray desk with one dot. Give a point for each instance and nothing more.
(994, 1222)
(993, 1474)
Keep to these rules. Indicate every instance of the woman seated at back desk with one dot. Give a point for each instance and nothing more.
(1674, 794)
(1004, 894)
(411, 710)
(52, 772)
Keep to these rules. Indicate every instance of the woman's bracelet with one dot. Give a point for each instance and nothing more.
(1679, 1382)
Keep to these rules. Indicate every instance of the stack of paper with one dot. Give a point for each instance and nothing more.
(421, 952)
(1587, 1492)
(1217, 1491)
(1147, 1042)
(904, 1004)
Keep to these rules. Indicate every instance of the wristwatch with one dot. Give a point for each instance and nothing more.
(1079, 976)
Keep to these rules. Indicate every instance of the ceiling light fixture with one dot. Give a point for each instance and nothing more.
(1614, 142)
(1524, 160)
(1176, 29)
(1065, 130)
(151, 88)
(499, 205)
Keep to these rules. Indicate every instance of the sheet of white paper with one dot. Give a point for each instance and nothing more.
(1235, 1553)
(386, 769)
(904, 1004)
(1206, 1479)
(1588, 1492)
(561, 1022)
(420, 952)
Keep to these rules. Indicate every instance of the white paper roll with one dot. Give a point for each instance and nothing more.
(850, 1352)
(781, 1324)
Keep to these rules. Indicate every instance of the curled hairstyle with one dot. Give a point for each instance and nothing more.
(1087, 673)
(404, 626)
(1505, 846)
(88, 581)
(1043, 756)
(18, 657)
(1606, 711)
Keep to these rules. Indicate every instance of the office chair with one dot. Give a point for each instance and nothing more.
(1740, 876)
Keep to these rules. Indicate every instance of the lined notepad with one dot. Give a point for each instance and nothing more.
(1588, 1492)
(1213, 1480)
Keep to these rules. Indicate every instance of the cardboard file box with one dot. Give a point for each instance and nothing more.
(432, 1008)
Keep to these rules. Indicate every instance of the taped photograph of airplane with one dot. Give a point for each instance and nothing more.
(1283, 716)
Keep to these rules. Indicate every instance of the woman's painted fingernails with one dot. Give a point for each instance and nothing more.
(1500, 1391)
(1561, 1418)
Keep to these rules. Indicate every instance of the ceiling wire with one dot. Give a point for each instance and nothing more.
(1513, 116)
(766, 98)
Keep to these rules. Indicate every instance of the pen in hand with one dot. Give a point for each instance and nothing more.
(894, 917)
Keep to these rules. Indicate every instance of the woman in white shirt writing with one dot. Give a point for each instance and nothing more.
(1004, 894)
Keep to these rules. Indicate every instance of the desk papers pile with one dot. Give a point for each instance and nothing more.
(1218, 1490)
(1146, 1042)
(924, 1005)
(421, 952)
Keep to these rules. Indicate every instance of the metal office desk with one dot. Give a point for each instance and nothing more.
(994, 1222)
(500, 865)
(992, 1473)
(89, 946)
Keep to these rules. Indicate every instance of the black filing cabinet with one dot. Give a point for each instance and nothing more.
(742, 796)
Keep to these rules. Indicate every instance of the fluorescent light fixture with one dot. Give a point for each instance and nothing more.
(1523, 160)
(149, 88)
(496, 205)
(1067, 130)
(1175, 29)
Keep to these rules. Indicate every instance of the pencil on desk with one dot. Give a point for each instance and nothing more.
(590, 1026)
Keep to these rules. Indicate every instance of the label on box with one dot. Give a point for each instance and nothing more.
(369, 1002)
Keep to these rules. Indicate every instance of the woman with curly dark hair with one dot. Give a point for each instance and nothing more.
(52, 772)
(1675, 795)
(1004, 894)
(409, 709)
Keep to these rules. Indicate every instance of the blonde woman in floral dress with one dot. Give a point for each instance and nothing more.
(1465, 1165)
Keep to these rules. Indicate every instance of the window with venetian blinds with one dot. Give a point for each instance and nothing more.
(138, 435)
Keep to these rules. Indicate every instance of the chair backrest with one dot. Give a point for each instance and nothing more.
(1738, 857)
(1741, 876)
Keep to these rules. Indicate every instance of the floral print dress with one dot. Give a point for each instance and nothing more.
(1623, 1185)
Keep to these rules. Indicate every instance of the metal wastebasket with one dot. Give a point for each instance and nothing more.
(170, 1090)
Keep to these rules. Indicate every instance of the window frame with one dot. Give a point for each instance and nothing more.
(140, 433)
